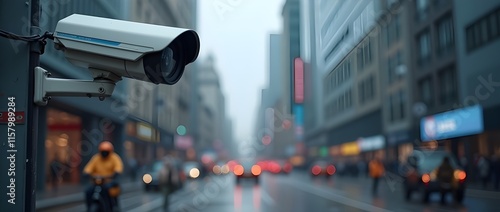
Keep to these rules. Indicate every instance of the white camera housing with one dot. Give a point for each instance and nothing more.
(140, 51)
(112, 49)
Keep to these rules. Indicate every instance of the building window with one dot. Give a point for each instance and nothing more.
(448, 86)
(367, 89)
(338, 76)
(426, 92)
(364, 54)
(391, 108)
(390, 72)
(349, 98)
(495, 24)
(445, 38)
(422, 9)
(397, 26)
(402, 105)
(397, 106)
(362, 92)
(393, 29)
(393, 67)
(483, 31)
(424, 48)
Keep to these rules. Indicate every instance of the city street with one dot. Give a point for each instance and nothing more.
(295, 192)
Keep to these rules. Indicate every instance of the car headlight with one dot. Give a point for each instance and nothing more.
(225, 169)
(194, 173)
(147, 178)
(216, 169)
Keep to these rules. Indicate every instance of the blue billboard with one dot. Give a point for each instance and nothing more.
(298, 111)
(452, 124)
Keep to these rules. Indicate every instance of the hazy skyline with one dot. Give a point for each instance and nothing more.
(237, 33)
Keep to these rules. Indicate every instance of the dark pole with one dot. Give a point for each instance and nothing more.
(17, 62)
(157, 135)
(32, 110)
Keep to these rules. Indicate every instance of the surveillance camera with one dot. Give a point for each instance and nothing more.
(112, 49)
(146, 52)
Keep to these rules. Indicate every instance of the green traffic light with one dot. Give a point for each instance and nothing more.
(181, 130)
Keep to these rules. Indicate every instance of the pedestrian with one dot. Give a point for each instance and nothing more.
(169, 180)
(377, 171)
(484, 170)
(444, 174)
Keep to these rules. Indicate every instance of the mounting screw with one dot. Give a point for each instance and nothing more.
(102, 98)
(101, 90)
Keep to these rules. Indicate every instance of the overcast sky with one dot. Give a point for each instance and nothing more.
(237, 33)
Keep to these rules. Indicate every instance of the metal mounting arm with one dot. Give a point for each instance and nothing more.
(46, 87)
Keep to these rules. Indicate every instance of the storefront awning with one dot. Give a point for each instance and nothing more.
(371, 143)
(350, 148)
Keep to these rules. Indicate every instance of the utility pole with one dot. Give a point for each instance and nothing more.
(19, 128)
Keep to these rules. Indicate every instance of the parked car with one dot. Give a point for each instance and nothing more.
(151, 177)
(422, 177)
(247, 170)
(322, 168)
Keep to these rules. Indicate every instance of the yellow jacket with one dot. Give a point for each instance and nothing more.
(99, 166)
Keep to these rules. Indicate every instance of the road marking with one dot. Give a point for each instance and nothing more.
(155, 204)
(338, 198)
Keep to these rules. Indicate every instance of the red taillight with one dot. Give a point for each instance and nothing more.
(238, 170)
(330, 169)
(275, 167)
(263, 165)
(316, 170)
(460, 175)
(426, 178)
(287, 168)
(256, 170)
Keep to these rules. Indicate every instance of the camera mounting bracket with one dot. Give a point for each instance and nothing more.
(45, 87)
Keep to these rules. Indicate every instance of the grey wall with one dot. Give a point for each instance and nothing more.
(477, 66)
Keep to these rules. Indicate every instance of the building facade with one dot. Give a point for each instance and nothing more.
(285, 139)
(213, 109)
(478, 39)
(397, 78)
(271, 98)
(346, 63)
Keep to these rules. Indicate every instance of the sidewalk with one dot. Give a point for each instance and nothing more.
(74, 193)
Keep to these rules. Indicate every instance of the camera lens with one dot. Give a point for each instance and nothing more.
(168, 62)
(166, 66)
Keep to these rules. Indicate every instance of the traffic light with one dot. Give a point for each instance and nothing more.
(181, 130)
